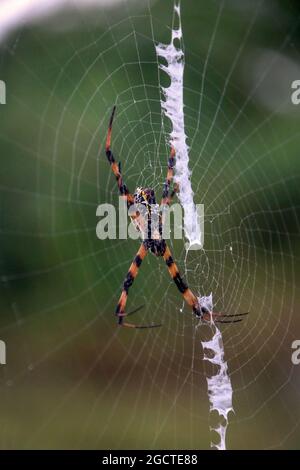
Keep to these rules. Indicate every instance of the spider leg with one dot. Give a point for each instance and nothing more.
(233, 318)
(174, 191)
(116, 167)
(183, 288)
(128, 281)
(166, 197)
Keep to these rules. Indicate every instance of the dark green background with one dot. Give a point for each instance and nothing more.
(72, 378)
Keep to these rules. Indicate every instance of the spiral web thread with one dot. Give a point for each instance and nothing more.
(248, 261)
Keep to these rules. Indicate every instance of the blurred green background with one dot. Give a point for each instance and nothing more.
(72, 379)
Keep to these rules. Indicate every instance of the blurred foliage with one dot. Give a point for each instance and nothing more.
(72, 379)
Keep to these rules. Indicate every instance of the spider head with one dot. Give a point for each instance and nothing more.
(144, 196)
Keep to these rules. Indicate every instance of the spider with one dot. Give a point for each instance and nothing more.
(153, 243)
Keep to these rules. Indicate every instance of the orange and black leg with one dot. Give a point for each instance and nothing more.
(116, 167)
(174, 191)
(186, 292)
(130, 276)
(166, 197)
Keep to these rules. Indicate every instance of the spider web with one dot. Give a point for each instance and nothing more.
(72, 378)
